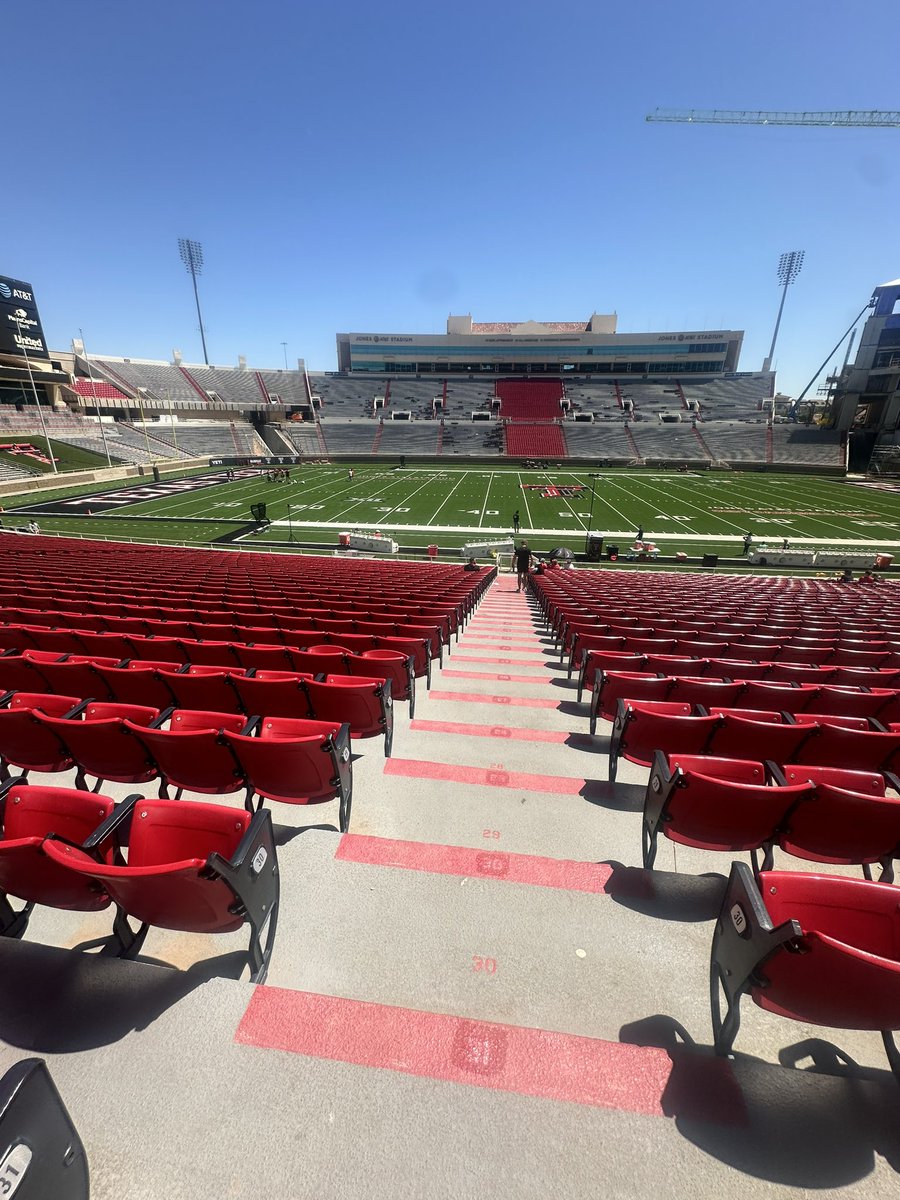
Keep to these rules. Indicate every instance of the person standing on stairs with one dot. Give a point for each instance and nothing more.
(523, 565)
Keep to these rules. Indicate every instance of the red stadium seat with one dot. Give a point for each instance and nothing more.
(27, 815)
(612, 686)
(297, 762)
(276, 693)
(192, 755)
(640, 729)
(25, 742)
(816, 948)
(101, 742)
(715, 804)
(198, 868)
(364, 704)
(203, 687)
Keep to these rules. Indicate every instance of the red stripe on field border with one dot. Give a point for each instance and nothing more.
(446, 673)
(484, 776)
(462, 860)
(508, 1058)
(496, 731)
(482, 698)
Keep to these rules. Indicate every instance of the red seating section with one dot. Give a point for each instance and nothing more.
(529, 400)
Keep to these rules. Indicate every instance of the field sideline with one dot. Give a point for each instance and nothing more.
(693, 511)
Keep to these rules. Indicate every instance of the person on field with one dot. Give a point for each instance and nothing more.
(523, 565)
(516, 521)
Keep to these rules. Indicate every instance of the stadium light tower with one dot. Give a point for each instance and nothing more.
(192, 256)
(789, 266)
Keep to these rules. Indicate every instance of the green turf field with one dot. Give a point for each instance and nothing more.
(696, 512)
(68, 458)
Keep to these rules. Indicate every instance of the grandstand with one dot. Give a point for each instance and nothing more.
(505, 874)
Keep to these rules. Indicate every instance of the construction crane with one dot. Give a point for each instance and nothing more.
(851, 119)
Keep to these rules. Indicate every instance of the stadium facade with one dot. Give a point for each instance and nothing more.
(591, 347)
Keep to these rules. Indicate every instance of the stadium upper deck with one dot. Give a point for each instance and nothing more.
(590, 347)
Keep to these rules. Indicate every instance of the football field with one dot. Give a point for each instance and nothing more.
(693, 511)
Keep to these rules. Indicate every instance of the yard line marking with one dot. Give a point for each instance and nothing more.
(524, 495)
(486, 494)
(449, 494)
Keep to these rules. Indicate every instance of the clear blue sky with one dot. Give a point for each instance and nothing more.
(372, 168)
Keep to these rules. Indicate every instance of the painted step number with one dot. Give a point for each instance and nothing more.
(488, 965)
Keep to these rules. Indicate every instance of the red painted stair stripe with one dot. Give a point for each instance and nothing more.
(495, 731)
(484, 776)
(567, 875)
(483, 698)
(509, 1058)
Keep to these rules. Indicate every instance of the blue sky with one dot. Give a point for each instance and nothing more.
(364, 168)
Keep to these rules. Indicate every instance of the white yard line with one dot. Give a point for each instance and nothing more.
(486, 494)
(461, 479)
(524, 494)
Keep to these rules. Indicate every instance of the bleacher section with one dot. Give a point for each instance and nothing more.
(409, 437)
(529, 400)
(535, 440)
(665, 441)
(353, 436)
(203, 439)
(598, 440)
(814, 447)
(229, 383)
(736, 397)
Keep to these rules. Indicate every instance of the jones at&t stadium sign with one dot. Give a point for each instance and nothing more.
(20, 326)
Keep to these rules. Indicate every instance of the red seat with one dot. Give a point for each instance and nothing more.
(690, 690)
(843, 827)
(612, 686)
(745, 733)
(297, 762)
(27, 744)
(223, 655)
(364, 704)
(192, 755)
(139, 681)
(203, 687)
(640, 729)
(76, 675)
(27, 815)
(602, 660)
(388, 664)
(715, 804)
(102, 744)
(857, 749)
(264, 658)
(277, 693)
(846, 973)
(198, 868)
(20, 673)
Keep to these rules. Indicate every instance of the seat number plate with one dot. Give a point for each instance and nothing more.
(259, 860)
(13, 1169)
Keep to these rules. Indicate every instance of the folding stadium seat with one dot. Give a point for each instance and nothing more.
(172, 628)
(157, 649)
(22, 673)
(867, 659)
(841, 826)
(202, 687)
(297, 762)
(27, 744)
(640, 645)
(139, 626)
(602, 660)
(75, 675)
(256, 635)
(676, 664)
(138, 682)
(864, 677)
(390, 665)
(735, 668)
(757, 653)
(319, 660)
(27, 815)
(277, 693)
(782, 672)
(856, 749)
(59, 641)
(849, 701)
(640, 729)
(775, 697)
(105, 645)
(264, 658)
(715, 803)
(192, 755)
(418, 651)
(364, 704)
(819, 949)
(197, 868)
(101, 743)
(40, 1150)
(756, 734)
(612, 686)
(689, 690)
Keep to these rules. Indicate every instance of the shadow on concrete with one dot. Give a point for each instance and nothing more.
(571, 708)
(584, 742)
(664, 894)
(620, 797)
(285, 834)
(818, 1128)
(64, 1001)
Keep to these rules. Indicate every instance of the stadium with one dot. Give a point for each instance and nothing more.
(367, 864)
